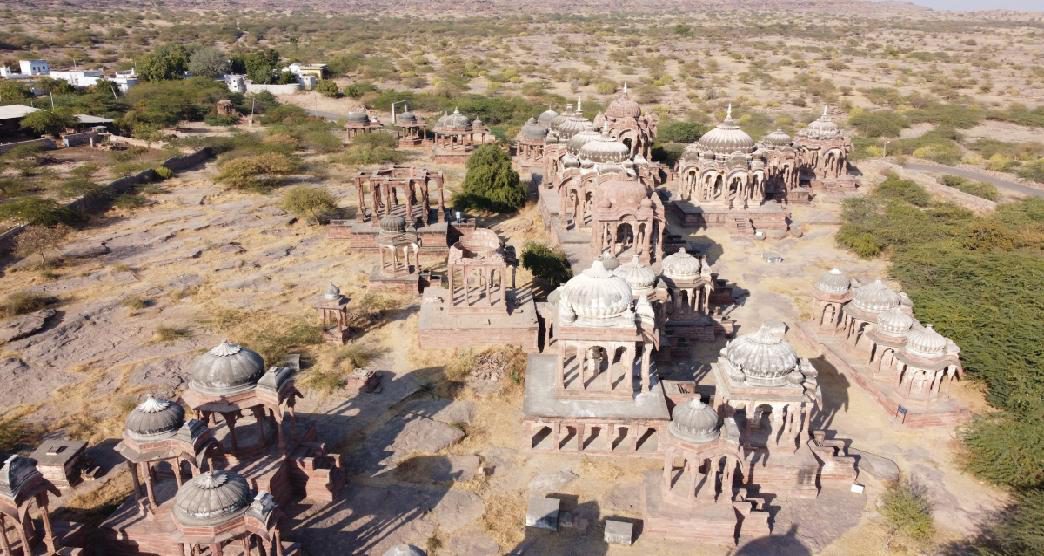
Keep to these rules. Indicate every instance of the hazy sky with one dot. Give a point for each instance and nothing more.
(1024, 5)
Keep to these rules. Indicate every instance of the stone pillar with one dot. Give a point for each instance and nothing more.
(45, 517)
(580, 433)
(148, 483)
(5, 544)
(646, 358)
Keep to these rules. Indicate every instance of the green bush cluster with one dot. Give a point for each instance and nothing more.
(548, 265)
(260, 173)
(313, 203)
(373, 148)
(490, 183)
(906, 508)
(977, 188)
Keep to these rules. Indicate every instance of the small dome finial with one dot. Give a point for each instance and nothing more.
(625, 87)
(826, 110)
(728, 112)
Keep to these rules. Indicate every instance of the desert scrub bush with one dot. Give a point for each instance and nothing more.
(41, 241)
(38, 212)
(313, 203)
(905, 507)
(269, 334)
(372, 148)
(163, 173)
(548, 265)
(24, 302)
(375, 306)
(977, 188)
(490, 183)
(877, 123)
(330, 378)
(136, 303)
(328, 88)
(168, 334)
(15, 434)
(260, 173)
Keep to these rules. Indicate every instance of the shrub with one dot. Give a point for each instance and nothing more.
(313, 203)
(680, 132)
(260, 173)
(977, 188)
(328, 88)
(548, 265)
(168, 334)
(47, 122)
(878, 123)
(163, 173)
(373, 148)
(490, 182)
(1032, 171)
(899, 189)
(24, 302)
(908, 512)
(39, 240)
(38, 212)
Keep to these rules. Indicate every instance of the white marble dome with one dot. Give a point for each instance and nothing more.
(764, 357)
(605, 149)
(640, 277)
(777, 139)
(211, 498)
(823, 128)
(582, 138)
(895, 322)
(926, 342)
(533, 131)
(595, 294)
(875, 297)
(834, 281)
(155, 419)
(681, 265)
(695, 422)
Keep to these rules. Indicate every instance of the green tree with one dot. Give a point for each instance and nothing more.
(878, 123)
(328, 88)
(208, 62)
(259, 65)
(548, 265)
(490, 182)
(169, 61)
(680, 132)
(13, 92)
(48, 122)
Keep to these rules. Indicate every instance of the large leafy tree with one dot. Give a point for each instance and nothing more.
(48, 122)
(169, 61)
(208, 62)
(490, 182)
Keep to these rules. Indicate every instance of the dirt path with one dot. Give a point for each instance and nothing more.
(1007, 185)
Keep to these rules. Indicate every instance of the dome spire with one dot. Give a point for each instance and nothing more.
(728, 112)
(579, 101)
(625, 88)
(826, 111)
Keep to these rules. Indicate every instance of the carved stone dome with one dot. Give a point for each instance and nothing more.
(582, 138)
(605, 149)
(404, 550)
(595, 294)
(778, 138)
(926, 342)
(727, 138)
(681, 265)
(211, 498)
(454, 122)
(823, 127)
(226, 369)
(358, 118)
(764, 357)
(574, 124)
(895, 322)
(875, 297)
(609, 261)
(834, 281)
(155, 419)
(546, 117)
(695, 422)
(621, 193)
(406, 119)
(640, 277)
(533, 131)
(393, 223)
(623, 107)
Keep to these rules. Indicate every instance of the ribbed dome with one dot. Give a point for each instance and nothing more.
(778, 138)
(764, 357)
(875, 297)
(560, 119)
(211, 498)
(358, 118)
(393, 223)
(155, 419)
(640, 277)
(727, 138)
(609, 261)
(834, 281)
(546, 117)
(895, 322)
(226, 369)
(406, 119)
(332, 293)
(595, 294)
(533, 130)
(623, 107)
(695, 422)
(926, 342)
(582, 138)
(823, 128)
(573, 124)
(621, 193)
(455, 122)
(605, 149)
(681, 265)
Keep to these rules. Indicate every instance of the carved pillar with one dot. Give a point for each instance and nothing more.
(45, 516)
(147, 474)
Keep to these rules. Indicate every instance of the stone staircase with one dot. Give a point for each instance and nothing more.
(839, 468)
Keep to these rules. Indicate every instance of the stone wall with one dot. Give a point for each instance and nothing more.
(101, 199)
(288, 89)
(44, 142)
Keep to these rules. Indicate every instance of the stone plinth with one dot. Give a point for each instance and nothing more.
(708, 522)
(783, 472)
(438, 328)
(542, 513)
(58, 460)
(404, 282)
(362, 236)
(619, 531)
(770, 216)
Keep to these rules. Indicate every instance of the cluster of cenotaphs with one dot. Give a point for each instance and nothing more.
(599, 345)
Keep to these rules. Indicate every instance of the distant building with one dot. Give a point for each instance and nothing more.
(34, 67)
(236, 83)
(79, 78)
(124, 80)
(317, 71)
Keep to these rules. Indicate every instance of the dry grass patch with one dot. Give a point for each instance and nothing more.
(270, 334)
(503, 514)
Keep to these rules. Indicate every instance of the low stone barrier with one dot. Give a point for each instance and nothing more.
(43, 142)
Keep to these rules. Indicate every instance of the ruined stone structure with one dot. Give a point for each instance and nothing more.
(595, 389)
(414, 194)
(869, 330)
(409, 128)
(456, 136)
(226, 108)
(218, 489)
(823, 152)
(477, 305)
(625, 121)
(361, 123)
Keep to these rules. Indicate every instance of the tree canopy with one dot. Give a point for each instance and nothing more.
(48, 122)
(169, 61)
(208, 62)
(490, 183)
